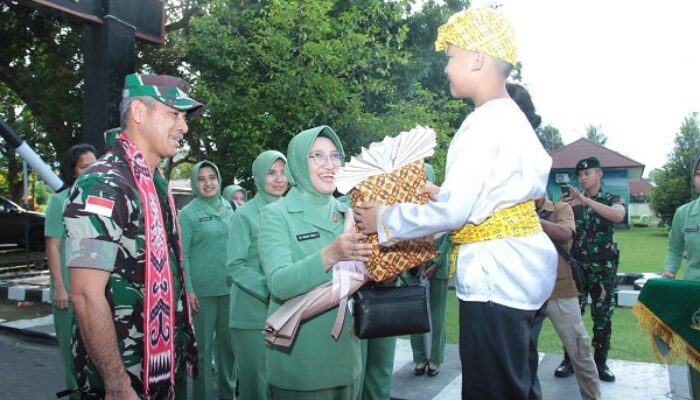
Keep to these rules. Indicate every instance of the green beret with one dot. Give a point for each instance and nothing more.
(587, 163)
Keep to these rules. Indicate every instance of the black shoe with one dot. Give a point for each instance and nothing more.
(420, 368)
(433, 369)
(564, 369)
(604, 373)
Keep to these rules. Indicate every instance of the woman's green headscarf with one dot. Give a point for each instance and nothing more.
(261, 165)
(319, 209)
(231, 189)
(298, 157)
(215, 201)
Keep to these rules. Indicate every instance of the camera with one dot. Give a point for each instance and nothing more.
(565, 191)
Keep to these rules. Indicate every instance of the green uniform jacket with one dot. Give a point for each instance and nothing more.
(53, 227)
(249, 293)
(290, 251)
(684, 240)
(204, 240)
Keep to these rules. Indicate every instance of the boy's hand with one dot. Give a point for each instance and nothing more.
(366, 216)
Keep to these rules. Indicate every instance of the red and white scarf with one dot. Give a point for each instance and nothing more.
(159, 302)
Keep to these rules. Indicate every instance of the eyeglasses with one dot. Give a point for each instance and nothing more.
(320, 158)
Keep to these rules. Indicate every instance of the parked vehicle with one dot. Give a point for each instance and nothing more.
(14, 220)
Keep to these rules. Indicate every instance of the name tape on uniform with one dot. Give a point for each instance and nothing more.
(309, 235)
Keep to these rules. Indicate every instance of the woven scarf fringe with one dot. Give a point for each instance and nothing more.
(679, 347)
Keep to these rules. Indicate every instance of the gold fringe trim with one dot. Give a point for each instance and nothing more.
(679, 347)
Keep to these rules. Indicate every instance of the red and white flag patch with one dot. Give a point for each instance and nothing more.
(99, 206)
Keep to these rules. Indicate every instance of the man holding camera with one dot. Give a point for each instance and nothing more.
(596, 213)
(557, 221)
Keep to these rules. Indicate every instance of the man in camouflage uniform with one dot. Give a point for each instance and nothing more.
(596, 213)
(105, 248)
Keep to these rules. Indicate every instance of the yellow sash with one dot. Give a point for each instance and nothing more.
(519, 220)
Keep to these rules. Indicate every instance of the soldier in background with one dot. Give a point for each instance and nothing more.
(134, 337)
(596, 213)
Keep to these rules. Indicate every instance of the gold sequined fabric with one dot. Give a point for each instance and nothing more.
(398, 186)
(519, 220)
(479, 29)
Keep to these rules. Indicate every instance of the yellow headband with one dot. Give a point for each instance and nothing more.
(480, 29)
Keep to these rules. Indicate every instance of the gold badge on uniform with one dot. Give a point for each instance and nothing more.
(334, 216)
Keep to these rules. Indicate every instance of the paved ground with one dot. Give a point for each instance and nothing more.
(30, 369)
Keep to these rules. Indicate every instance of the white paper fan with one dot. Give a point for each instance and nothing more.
(386, 156)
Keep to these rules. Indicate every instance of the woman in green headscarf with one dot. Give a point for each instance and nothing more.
(235, 195)
(249, 293)
(301, 238)
(204, 224)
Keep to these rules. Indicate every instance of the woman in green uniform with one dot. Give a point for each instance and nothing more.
(436, 272)
(235, 195)
(249, 293)
(301, 238)
(377, 357)
(204, 224)
(684, 242)
(75, 160)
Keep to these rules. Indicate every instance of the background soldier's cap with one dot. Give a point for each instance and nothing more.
(171, 91)
(479, 29)
(587, 163)
(111, 136)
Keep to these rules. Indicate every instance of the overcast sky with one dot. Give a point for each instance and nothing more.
(631, 67)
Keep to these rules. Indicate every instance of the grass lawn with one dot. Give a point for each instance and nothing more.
(641, 250)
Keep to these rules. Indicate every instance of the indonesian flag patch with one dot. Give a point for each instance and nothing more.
(99, 206)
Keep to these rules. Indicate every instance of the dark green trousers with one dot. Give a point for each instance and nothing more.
(213, 337)
(63, 324)
(377, 368)
(438, 335)
(249, 347)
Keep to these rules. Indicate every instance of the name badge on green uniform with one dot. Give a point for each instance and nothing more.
(205, 219)
(307, 236)
(696, 229)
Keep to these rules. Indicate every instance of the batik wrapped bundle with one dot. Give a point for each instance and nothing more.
(391, 172)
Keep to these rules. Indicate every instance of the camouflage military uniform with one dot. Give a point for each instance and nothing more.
(115, 243)
(597, 253)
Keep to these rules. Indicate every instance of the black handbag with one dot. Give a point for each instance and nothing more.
(577, 272)
(382, 311)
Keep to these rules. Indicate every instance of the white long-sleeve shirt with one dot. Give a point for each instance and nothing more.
(495, 161)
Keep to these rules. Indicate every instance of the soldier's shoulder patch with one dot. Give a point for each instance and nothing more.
(99, 206)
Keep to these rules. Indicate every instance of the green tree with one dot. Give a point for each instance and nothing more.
(674, 182)
(19, 116)
(653, 175)
(41, 79)
(40, 87)
(265, 69)
(550, 137)
(595, 135)
(269, 70)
